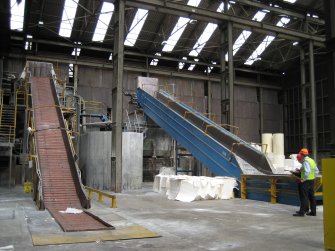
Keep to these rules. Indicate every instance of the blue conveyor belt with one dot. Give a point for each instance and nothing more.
(211, 144)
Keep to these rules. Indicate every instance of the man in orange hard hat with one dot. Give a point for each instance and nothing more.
(308, 171)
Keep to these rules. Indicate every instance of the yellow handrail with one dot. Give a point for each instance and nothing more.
(219, 125)
(68, 133)
(100, 194)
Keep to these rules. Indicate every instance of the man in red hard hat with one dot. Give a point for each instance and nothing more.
(308, 171)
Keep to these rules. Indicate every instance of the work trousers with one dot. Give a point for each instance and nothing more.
(306, 195)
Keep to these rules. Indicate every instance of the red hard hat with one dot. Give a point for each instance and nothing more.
(299, 157)
(304, 151)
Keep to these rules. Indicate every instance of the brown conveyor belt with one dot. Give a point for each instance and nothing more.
(60, 182)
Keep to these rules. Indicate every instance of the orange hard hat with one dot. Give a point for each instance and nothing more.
(299, 157)
(304, 151)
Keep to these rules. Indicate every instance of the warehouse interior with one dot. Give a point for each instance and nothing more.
(165, 124)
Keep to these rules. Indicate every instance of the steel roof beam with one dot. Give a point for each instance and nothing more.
(215, 17)
(191, 75)
(282, 11)
(130, 53)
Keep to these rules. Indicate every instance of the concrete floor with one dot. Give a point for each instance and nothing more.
(202, 225)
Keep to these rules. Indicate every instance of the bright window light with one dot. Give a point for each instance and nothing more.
(191, 67)
(259, 16)
(28, 46)
(194, 3)
(290, 1)
(69, 13)
(181, 64)
(154, 62)
(210, 68)
(178, 29)
(176, 33)
(206, 35)
(17, 15)
(283, 21)
(136, 27)
(76, 51)
(103, 22)
(110, 57)
(265, 43)
(70, 70)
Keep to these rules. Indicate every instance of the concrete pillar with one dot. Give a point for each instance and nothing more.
(117, 96)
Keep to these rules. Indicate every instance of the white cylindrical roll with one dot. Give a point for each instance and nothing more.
(279, 160)
(278, 143)
(267, 142)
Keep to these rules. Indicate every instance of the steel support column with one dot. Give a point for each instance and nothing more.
(224, 119)
(231, 73)
(75, 76)
(261, 106)
(117, 96)
(329, 6)
(313, 98)
(303, 96)
(1, 71)
(209, 99)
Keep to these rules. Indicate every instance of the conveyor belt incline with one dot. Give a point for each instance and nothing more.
(61, 184)
(213, 145)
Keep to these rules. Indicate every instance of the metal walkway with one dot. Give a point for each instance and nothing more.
(61, 184)
(221, 151)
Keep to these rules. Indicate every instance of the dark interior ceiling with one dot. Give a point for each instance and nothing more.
(279, 56)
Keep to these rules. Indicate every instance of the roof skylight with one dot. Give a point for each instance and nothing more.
(17, 15)
(206, 35)
(178, 29)
(265, 43)
(103, 22)
(290, 1)
(136, 27)
(259, 16)
(69, 13)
